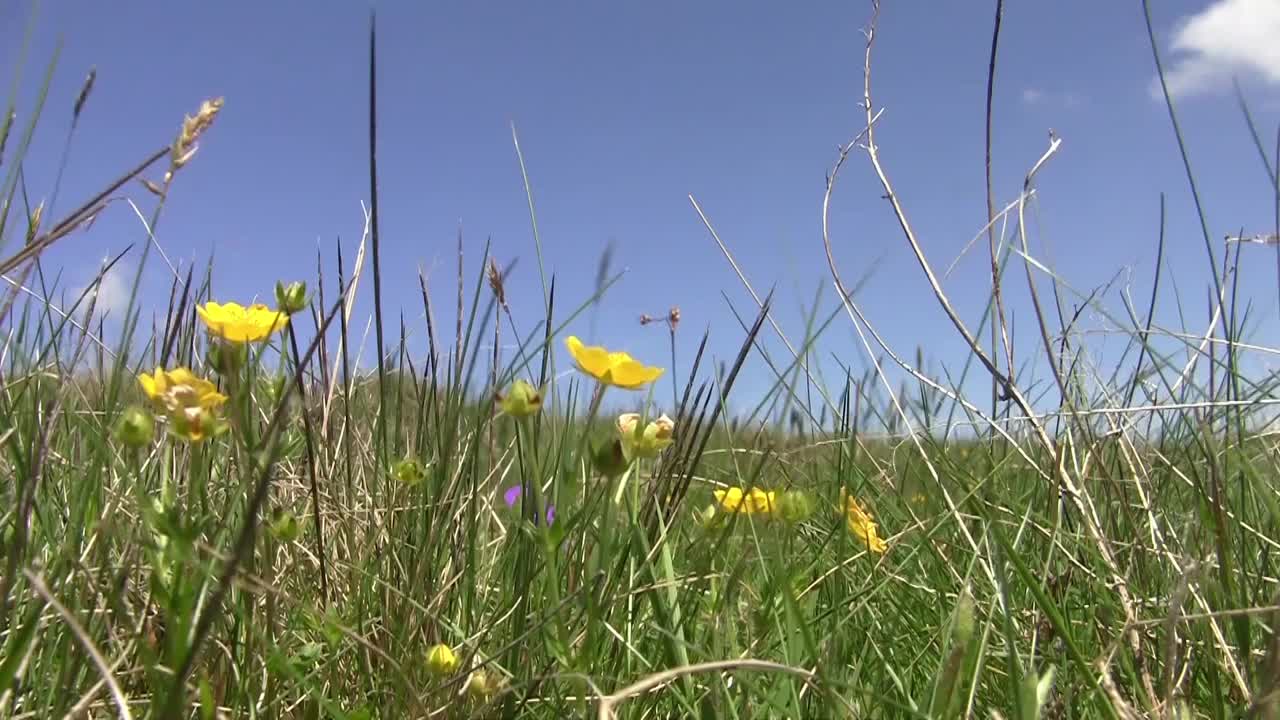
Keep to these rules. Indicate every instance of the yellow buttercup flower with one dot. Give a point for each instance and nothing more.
(189, 401)
(611, 368)
(236, 323)
(646, 443)
(753, 501)
(179, 389)
(860, 523)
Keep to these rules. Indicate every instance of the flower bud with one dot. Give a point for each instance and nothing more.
(409, 471)
(609, 459)
(291, 298)
(646, 443)
(135, 427)
(441, 660)
(227, 358)
(284, 526)
(522, 400)
(795, 506)
(482, 686)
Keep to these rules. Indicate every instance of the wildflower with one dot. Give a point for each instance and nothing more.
(861, 525)
(236, 323)
(409, 471)
(173, 390)
(135, 427)
(753, 501)
(655, 437)
(794, 506)
(611, 368)
(521, 400)
(512, 497)
(190, 402)
(291, 298)
(481, 686)
(441, 660)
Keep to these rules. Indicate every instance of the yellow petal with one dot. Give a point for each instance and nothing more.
(591, 359)
(632, 375)
(152, 385)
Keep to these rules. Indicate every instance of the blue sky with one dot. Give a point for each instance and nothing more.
(623, 110)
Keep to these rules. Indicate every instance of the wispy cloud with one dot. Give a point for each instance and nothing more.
(1228, 38)
(112, 292)
(1060, 98)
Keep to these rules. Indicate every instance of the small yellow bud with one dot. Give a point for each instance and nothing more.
(409, 471)
(482, 686)
(441, 660)
(135, 427)
(291, 298)
(522, 400)
(284, 526)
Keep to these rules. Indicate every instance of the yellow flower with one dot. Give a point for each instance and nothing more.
(441, 660)
(646, 443)
(753, 501)
(860, 523)
(611, 368)
(237, 323)
(190, 402)
(180, 389)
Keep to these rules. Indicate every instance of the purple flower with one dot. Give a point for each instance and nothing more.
(512, 496)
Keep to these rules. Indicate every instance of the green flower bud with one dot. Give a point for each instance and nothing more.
(284, 526)
(482, 686)
(609, 459)
(795, 506)
(521, 400)
(135, 428)
(409, 471)
(227, 358)
(707, 517)
(291, 298)
(441, 660)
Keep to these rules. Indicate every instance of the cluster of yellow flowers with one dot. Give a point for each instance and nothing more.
(442, 662)
(619, 369)
(192, 404)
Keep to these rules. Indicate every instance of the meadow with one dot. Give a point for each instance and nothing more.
(221, 515)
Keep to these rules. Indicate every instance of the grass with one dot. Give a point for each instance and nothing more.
(1100, 542)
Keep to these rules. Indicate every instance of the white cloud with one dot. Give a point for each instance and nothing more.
(1227, 39)
(1061, 98)
(112, 292)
